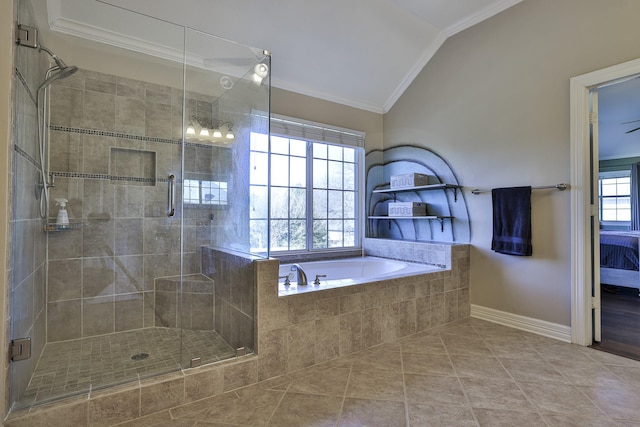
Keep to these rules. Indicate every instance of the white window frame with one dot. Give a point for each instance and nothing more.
(293, 128)
(606, 175)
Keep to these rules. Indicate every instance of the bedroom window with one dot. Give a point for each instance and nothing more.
(615, 197)
(304, 188)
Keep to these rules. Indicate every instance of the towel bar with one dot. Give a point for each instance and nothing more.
(560, 187)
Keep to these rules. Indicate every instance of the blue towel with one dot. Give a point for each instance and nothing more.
(512, 221)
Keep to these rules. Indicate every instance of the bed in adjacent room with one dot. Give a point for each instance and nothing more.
(619, 259)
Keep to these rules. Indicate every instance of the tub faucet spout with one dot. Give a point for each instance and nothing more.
(302, 277)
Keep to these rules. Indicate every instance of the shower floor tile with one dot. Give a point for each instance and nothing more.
(75, 366)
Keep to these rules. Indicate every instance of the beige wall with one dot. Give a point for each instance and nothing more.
(6, 71)
(494, 102)
(317, 110)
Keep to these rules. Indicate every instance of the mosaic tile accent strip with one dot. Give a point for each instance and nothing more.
(126, 136)
(74, 366)
(114, 134)
(107, 177)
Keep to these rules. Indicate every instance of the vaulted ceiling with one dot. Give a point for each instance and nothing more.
(361, 53)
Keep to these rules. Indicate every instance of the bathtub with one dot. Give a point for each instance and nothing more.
(347, 272)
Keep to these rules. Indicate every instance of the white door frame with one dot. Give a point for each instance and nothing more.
(581, 209)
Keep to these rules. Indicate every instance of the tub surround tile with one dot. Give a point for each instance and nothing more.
(368, 315)
(350, 333)
(371, 327)
(301, 345)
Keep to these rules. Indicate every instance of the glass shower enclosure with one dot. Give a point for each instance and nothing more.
(144, 142)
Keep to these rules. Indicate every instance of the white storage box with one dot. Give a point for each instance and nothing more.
(409, 180)
(407, 209)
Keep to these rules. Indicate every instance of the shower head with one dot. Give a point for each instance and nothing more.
(59, 62)
(63, 70)
(61, 73)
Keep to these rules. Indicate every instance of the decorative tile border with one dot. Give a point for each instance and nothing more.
(122, 135)
(107, 177)
(114, 134)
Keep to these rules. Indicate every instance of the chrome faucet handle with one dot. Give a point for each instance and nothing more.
(287, 279)
(317, 281)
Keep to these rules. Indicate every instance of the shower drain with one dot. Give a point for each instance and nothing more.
(140, 356)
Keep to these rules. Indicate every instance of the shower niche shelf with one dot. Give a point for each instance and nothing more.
(54, 227)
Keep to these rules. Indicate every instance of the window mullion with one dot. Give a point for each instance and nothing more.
(310, 186)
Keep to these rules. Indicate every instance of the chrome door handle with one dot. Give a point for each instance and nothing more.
(171, 209)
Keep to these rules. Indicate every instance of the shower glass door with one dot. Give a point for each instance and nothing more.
(226, 99)
(148, 143)
(99, 296)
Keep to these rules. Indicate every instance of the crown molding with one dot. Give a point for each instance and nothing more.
(415, 70)
(112, 38)
(481, 15)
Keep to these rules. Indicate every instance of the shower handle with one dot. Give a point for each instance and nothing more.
(171, 209)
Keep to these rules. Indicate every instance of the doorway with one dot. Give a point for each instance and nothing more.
(586, 301)
(618, 151)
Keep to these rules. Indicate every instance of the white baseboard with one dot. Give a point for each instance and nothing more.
(528, 324)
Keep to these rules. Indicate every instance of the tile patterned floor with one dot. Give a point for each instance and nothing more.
(69, 367)
(472, 373)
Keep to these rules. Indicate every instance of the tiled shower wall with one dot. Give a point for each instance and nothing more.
(114, 142)
(27, 239)
(234, 276)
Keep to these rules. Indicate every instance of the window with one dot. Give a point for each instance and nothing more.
(202, 192)
(615, 196)
(313, 190)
